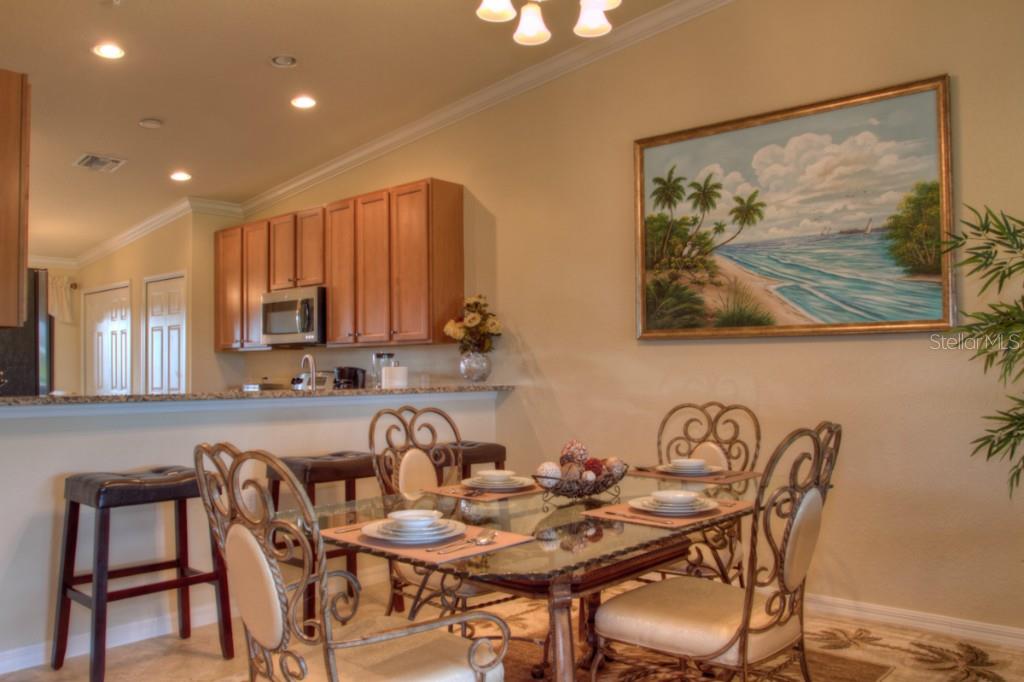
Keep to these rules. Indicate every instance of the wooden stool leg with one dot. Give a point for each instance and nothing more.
(67, 569)
(220, 589)
(351, 562)
(309, 601)
(100, 566)
(275, 493)
(181, 553)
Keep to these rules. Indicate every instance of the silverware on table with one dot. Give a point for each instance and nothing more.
(481, 540)
(645, 519)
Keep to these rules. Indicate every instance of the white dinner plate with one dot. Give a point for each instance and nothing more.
(517, 483)
(440, 528)
(647, 504)
(376, 531)
(667, 468)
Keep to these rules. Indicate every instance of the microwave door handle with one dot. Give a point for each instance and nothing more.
(302, 316)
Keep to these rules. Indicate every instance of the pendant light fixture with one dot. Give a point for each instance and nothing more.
(531, 29)
(609, 5)
(592, 22)
(497, 10)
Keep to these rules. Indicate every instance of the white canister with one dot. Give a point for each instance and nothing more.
(394, 377)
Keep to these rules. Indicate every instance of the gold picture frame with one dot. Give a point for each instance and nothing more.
(808, 264)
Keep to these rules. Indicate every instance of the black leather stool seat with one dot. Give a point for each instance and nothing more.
(478, 453)
(159, 484)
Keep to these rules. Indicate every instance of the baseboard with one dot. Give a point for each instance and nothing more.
(959, 628)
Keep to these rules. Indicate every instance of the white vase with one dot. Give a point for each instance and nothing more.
(475, 367)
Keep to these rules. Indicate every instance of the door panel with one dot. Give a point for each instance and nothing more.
(372, 268)
(309, 247)
(341, 272)
(108, 363)
(228, 289)
(255, 277)
(165, 325)
(282, 252)
(410, 263)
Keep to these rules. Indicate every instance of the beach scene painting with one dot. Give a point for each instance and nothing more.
(827, 218)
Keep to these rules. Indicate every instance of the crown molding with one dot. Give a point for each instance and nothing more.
(641, 28)
(215, 207)
(52, 262)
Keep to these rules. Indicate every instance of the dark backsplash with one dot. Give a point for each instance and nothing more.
(26, 352)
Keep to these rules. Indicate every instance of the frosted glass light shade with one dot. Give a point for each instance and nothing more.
(531, 29)
(592, 22)
(496, 10)
(609, 5)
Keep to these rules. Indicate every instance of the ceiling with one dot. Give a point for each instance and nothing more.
(202, 66)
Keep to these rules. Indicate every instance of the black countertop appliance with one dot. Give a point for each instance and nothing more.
(26, 352)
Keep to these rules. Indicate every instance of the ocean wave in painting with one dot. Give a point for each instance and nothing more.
(838, 279)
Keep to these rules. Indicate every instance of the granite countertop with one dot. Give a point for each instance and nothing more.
(17, 401)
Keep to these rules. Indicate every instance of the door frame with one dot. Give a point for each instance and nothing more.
(144, 324)
(124, 284)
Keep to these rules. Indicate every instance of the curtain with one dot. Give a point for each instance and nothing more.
(59, 302)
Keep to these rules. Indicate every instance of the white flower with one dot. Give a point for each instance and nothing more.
(472, 319)
(479, 298)
(454, 330)
(492, 326)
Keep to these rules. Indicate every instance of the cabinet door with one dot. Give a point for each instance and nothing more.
(282, 252)
(341, 272)
(227, 257)
(410, 262)
(309, 247)
(14, 171)
(255, 277)
(372, 268)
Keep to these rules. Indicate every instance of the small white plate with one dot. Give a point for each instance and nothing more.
(376, 531)
(439, 529)
(516, 483)
(647, 504)
(667, 468)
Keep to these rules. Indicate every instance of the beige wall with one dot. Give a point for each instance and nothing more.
(549, 220)
(67, 354)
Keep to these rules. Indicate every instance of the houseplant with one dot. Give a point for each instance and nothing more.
(994, 247)
(475, 331)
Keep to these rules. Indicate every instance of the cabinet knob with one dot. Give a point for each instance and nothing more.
(352, 335)
(394, 331)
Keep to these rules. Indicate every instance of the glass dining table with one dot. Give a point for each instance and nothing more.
(572, 556)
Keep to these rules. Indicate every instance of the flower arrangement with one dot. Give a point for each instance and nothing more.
(476, 328)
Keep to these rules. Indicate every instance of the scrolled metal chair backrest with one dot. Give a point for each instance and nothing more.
(395, 434)
(786, 522)
(255, 543)
(732, 429)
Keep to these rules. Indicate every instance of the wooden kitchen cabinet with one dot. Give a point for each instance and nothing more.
(15, 97)
(255, 281)
(227, 287)
(309, 247)
(340, 237)
(373, 281)
(282, 252)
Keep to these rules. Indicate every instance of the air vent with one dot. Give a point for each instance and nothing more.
(100, 164)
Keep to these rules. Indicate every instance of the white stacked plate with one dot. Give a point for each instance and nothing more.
(392, 531)
(689, 467)
(498, 481)
(674, 503)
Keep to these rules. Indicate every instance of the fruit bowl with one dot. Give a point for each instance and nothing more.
(577, 488)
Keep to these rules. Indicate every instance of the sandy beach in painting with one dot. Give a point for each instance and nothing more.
(781, 309)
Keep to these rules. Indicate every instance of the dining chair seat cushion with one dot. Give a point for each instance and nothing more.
(691, 617)
(467, 589)
(126, 488)
(432, 656)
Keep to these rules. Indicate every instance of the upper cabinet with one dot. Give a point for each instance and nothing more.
(227, 288)
(14, 152)
(255, 269)
(297, 249)
(282, 252)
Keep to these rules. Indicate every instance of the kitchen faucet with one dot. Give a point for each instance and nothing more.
(308, 358)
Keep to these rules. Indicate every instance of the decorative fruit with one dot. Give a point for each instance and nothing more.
(595, 465)
(574, 451)
(615, 465)
(589, 476)
(549, 474)
(572, 471)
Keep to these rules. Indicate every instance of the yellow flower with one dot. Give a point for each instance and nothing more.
(479, 298)
(454, 330)
(472, 319)
(492, 326)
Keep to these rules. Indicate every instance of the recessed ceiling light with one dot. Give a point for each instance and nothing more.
(284, 61)
(108, 51)
(150, 123)
(303, 102)
(180, 176)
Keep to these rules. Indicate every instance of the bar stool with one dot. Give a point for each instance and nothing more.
(106, 491)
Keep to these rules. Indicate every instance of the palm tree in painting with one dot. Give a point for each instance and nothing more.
(704, 197)
(668, 193)
(746, 213)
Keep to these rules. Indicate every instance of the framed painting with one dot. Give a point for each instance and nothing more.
(827, 218)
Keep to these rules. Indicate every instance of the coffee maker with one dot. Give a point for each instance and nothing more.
(349, 377)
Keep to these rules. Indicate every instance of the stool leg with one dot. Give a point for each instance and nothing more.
(220, 589)
(62, 619)
(351, 562)
(275, 493)
(181, 554)
(100, 566)
(309, 601)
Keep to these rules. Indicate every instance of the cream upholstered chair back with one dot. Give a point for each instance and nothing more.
(413, 449)
(256, 544)
(723, 435)
(786, 524)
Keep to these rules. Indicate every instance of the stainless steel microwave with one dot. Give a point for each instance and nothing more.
(294, 317)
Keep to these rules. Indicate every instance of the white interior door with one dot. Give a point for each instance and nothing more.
(165, 336)
(108, 346)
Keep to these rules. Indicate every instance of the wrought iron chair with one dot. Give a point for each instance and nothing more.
(259, 547)
(723, 435)
(415, 449)
(712, 625)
